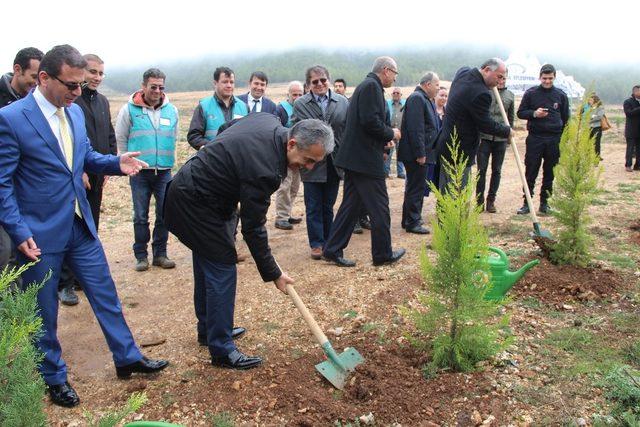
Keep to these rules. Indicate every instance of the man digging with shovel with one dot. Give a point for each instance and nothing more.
(244, 165)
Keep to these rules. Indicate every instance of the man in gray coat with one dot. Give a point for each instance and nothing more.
(321, 183)
(495, 147)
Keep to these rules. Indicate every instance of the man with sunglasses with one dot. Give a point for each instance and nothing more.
(44, 149)
(321, 183)
(97, 117)
(366, 136)
(149, 123)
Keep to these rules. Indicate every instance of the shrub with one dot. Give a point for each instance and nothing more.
(459, 324)
(575, 187)
(111, 419)
(21, 386)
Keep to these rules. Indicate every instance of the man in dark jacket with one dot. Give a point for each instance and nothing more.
(97, 116)
(546, 110)
(255, 99)
(322, 183)
(631, 108)
(245, 166)
(415, 150)
(494, 147)
(468, 112)
(366, 136)
(14, 86)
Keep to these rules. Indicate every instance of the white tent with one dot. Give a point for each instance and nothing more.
(524, 72)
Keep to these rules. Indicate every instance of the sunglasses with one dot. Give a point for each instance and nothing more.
(156, 87)
(70, 86)
(316, 82)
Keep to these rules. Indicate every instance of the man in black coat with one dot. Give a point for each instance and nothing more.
(244, 165)
(468, 112)
(419, 131)
(97, 115)
(366, 136)
(631, 107)
(255, 99)
(546, 110)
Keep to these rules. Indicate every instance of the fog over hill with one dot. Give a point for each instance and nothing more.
(612, 82)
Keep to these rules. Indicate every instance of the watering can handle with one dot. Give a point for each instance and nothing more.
(501, 254)
(315, 328)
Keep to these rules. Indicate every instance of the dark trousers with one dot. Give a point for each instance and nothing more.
(370, 192)
(444, 179)
(86, 257)
(495, 150)
(8, 252)
(414, 190)
(633, 150)
(149, 182)
(596, 135)
(539, 149)
(214, 297)
(319, 199)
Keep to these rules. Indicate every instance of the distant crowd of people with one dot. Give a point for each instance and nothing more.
(58, 145)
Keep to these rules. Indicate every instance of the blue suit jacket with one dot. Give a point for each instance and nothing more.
(37, 188)
(268, 106)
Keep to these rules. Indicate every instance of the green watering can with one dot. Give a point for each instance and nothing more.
(501, 278)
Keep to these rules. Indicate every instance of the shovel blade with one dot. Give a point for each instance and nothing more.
(336, 373)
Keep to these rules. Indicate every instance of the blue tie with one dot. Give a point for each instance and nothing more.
(255, 105)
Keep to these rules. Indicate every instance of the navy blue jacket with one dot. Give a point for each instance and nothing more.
(631, 108)
(268, 106)
(419, 128)
(558, 106)
(468, 112)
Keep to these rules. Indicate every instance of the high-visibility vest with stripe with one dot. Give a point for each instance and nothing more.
(157, 146)
(289, 109)
(214, 116)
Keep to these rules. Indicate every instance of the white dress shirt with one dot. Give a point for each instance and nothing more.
(258, 105)
(49, 112)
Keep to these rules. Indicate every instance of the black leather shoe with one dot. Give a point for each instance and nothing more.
(339, 261)
(544, 208)
(143, 366)
(68, 296)
(235, 334)
(395, 256)
(294, 220)
(366, 224)
(357, 229)
(284, 225)
(63, 395)
(418, 229)
(524, 210)
(236, 360)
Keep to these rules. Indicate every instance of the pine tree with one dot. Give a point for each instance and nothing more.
(454, 320)
(21, 386)
(576, 184)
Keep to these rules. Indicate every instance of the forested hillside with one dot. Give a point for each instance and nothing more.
(613, 82)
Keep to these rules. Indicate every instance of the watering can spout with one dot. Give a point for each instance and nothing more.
(514, 276)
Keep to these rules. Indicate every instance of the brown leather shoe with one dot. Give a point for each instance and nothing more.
(491, 207)
(316, 253)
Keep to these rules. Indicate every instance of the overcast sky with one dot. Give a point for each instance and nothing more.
(145, 33)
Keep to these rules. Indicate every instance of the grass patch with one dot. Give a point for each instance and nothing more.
(625, 187)
(221, 419)
(603, 232)
(622, 261)
(367, 327)
(570, 339)
(530, 302)
(598, 202)
(349, 314)
(632, 352)
(270, 327)
(626, 323)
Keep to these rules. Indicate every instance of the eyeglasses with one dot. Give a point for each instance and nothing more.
(70, 86)
(392, 70)
(156, 87)
(316, 82)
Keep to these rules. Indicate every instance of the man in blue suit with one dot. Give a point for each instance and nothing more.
(44, 150)
(255, 99)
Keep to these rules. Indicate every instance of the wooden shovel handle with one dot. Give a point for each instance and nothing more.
(523, 178)
(315, 328)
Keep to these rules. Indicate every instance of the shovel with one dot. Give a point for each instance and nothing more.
(337, 366)
(542, 237)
